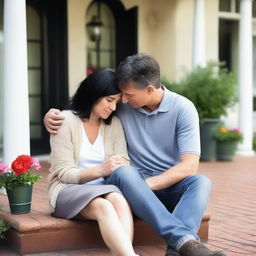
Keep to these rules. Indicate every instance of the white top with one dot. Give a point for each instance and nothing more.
(91, 155)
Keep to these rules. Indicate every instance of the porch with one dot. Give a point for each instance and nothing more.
(232, 208)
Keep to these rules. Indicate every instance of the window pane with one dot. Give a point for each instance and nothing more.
(33, 24)
(238, 6)
(35, 131)
(107, 39)
(35, 109)
(107, 16)
(254, 9)
(34, 81)
(105, 60)
(91, 59)
(34, 54)
(225, 5)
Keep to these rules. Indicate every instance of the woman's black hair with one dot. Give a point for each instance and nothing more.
(97, 85)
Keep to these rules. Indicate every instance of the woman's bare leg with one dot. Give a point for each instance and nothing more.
(112, 230)
(123, 211)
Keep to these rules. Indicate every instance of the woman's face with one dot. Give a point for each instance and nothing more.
(105, 106)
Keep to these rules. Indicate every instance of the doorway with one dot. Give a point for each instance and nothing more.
(47, 65)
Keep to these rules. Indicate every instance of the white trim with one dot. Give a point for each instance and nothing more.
(229, 15)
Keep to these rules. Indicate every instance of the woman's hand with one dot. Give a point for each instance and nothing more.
(112, 163)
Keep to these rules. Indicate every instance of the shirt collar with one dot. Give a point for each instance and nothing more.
(163, 107)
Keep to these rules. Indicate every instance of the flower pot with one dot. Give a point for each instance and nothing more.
(208, 144)
(20, 199)
(226, 150)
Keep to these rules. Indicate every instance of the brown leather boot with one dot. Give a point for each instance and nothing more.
(171, 252)
(195, 248)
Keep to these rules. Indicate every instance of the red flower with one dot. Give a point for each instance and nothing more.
(22, 164)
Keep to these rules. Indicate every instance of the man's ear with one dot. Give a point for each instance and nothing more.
(150, 89)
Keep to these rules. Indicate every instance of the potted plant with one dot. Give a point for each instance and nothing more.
(18, 182)
(227, 140)
(212, 89)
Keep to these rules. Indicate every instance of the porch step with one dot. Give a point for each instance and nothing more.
(38, 231)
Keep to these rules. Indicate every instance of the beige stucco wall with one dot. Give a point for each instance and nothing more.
(76, 42)
(165, 30)
(155, 35)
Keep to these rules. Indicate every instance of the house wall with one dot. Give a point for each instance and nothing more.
(76, 42)
(165, 30)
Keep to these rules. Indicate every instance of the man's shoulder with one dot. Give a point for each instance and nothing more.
(178, 102)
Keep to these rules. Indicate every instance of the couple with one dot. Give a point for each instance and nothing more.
(90, 171)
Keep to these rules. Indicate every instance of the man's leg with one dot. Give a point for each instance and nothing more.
(148, 207)
(187, 200)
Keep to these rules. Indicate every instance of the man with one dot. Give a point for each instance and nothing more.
(162, 132)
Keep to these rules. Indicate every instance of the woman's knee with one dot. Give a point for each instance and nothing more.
(117, 200)
(98, 208)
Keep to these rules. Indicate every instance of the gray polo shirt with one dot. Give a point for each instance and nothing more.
(156, 140)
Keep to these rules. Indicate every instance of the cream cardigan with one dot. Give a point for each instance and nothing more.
(65, 149)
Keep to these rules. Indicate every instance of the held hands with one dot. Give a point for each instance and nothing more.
(112, 163)
(53, 120)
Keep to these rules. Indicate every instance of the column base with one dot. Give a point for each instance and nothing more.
(2, 191)
(244, 152)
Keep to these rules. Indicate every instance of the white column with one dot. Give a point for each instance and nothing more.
(199, 34)
(245, 77)
(16, 111)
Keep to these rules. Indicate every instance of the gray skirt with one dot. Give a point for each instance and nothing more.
(74, 197)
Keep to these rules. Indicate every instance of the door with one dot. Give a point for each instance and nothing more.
(127, 39)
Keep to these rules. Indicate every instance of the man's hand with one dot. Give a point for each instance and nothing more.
(186, 167)
(152, 182)
(53, 120)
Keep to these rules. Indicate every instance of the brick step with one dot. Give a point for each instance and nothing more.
(38, 231)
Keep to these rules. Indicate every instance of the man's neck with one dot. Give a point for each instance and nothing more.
(155, 100)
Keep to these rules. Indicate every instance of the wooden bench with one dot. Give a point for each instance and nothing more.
(38, 231)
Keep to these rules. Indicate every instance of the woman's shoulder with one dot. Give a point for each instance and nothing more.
(112, 128)
(69, 115)
(70, 118)
(115, 122)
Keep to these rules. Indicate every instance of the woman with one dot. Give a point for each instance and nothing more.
(89, 146)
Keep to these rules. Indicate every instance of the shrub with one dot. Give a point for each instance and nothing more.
(3, 227)
(212, 89)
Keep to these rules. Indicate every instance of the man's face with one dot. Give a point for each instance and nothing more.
(136, 97)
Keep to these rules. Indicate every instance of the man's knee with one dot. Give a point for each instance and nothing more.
(202, 181)
(125, 172)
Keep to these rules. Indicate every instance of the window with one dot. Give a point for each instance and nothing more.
(225, 5)
(254, 9)
(34, 42)
(101, 51)
(233, 6)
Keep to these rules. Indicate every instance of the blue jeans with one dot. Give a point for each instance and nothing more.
(175, 213)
